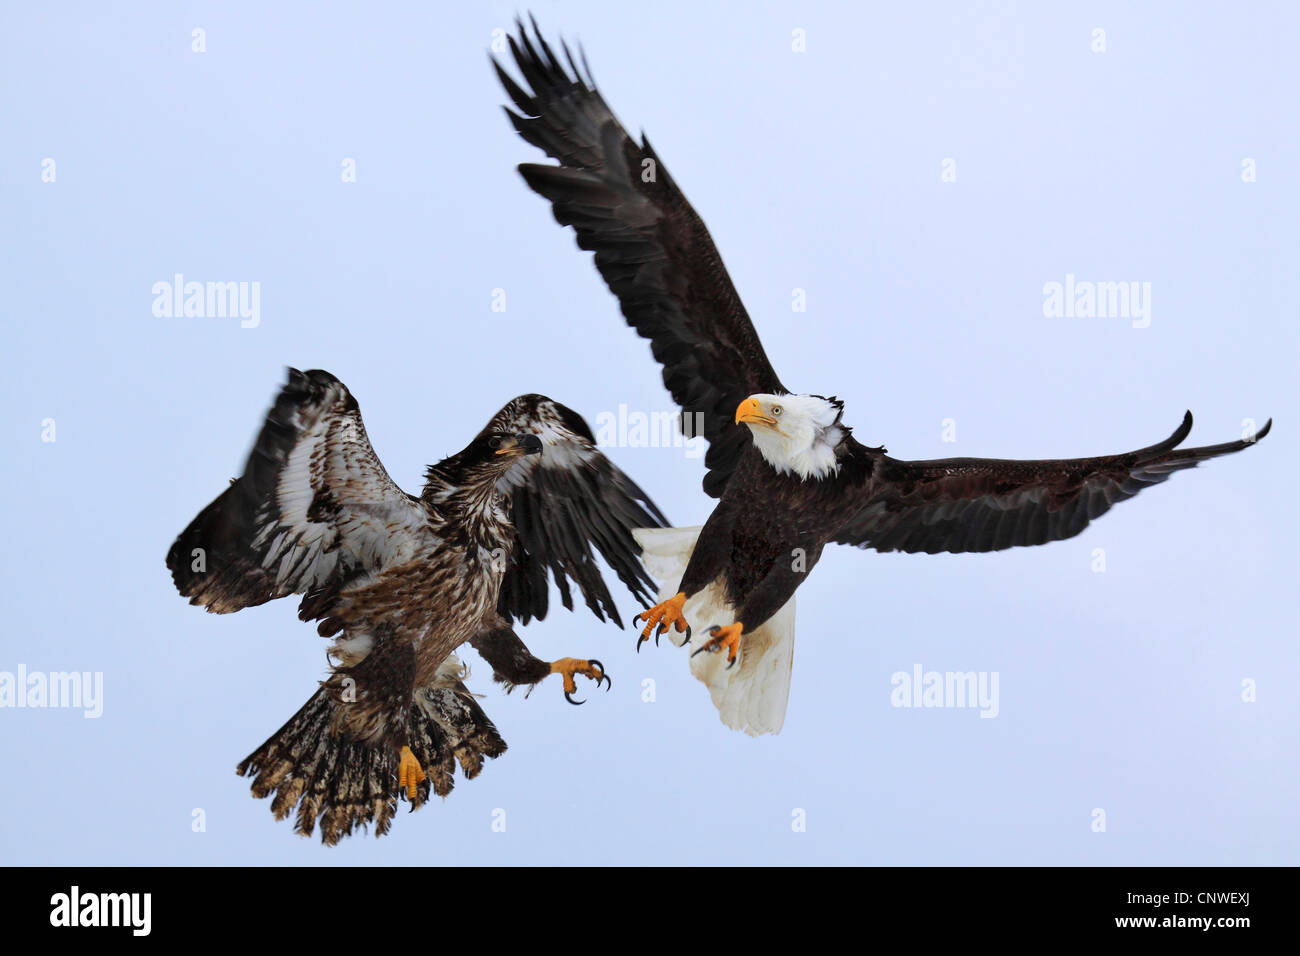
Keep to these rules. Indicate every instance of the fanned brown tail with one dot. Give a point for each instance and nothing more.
(311, 765)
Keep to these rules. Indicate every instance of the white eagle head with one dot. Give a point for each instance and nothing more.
(795, 433)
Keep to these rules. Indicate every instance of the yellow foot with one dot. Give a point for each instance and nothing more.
(665, 614)
(409, 773)
(568, 666)
(720, 637)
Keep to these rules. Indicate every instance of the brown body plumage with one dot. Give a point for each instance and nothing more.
(400, 582)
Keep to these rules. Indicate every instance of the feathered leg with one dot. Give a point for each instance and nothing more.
(513, 664)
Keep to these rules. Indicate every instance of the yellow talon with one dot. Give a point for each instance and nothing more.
(662, 616)
(728, 637)
(568, 666)
(409, 773)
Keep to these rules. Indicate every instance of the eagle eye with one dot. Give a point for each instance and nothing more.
(494, 441)
(776, 411)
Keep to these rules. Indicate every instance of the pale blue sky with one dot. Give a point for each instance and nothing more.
(1119, 690)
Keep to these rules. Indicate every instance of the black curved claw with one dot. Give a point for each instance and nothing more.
(639, 641)
(603, 676)
(732, 663)
(569, 697)
(712, 632)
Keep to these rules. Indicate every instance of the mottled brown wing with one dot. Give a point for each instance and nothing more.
(313, 508)
(988, 504)
(652, 249)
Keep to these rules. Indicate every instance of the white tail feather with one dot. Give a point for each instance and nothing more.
(752, 695)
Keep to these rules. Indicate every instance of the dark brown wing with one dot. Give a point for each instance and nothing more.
(988, 504)
(314, 507)
(566, 504)
(652, 249)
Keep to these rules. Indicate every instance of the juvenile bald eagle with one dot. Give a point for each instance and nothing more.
(789, 474)
(400, 582)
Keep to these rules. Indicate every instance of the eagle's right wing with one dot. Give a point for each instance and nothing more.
(988, 504)
(652, 249)
(566, 504)
(313, 509)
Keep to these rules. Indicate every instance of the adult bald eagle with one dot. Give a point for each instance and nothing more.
(400, 582)
(787, 471)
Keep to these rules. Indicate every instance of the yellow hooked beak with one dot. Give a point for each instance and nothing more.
(750, 412)
(521, 445)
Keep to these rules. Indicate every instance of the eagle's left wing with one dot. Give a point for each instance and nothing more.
(314, 508)
(652, 248)
(988, 504)
(562, 503)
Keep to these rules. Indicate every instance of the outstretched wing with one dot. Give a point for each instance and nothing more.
(988, 504)
(314, 508)
(564, 502)
(652, 249)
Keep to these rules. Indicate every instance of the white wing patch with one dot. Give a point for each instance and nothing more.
(751, 696)
(372, 524)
